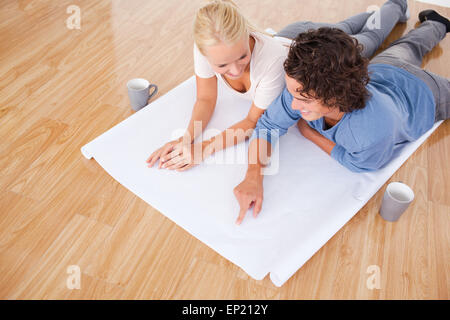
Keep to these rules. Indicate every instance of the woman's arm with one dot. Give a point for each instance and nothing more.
(231, 136)
(202, 112)
(203, 107)
(235, 134)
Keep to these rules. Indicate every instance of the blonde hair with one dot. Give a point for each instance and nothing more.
(220, 21)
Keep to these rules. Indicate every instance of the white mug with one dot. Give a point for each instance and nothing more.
(396, 200)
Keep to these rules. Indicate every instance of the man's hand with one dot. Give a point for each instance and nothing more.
(314, 136)
(250, 192)
(304, 128)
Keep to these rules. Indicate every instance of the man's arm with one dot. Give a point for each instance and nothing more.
(277, 119)
(272, 124)
(250, 191)
(370, 158)
(315, 137)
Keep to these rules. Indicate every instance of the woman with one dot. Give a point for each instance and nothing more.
(250, 63)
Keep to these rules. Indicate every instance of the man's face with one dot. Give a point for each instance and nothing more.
(311, 109)
(230, 60)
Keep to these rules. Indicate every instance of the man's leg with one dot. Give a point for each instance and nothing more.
(377, 29)
(350, 26)
(369, 32)
(407, 53)
(415, 44)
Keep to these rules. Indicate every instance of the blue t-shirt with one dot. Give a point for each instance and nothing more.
(401, 108)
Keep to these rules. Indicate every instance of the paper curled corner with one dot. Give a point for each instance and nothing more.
(85, 151)
(276, 280)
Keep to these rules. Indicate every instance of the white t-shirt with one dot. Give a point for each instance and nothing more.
(266, 70)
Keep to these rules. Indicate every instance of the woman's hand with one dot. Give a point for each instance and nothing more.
(164, 151)
(183, 156)
(188, 156)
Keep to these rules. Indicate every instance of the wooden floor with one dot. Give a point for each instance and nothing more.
(60, 88)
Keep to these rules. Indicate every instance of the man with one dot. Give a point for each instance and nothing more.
(357, 113)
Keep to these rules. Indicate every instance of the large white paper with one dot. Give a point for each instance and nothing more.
(305, 203)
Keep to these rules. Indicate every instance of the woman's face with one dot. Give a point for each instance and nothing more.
(230, 60)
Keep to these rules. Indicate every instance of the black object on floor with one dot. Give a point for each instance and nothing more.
(433, 15)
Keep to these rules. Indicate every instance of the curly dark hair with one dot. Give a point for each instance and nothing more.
(328, 64)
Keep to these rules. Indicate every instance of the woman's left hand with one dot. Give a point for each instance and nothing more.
(187, 157)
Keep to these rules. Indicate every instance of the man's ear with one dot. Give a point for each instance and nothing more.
(331, 104)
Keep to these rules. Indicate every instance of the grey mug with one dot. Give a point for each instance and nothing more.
(139, 92)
